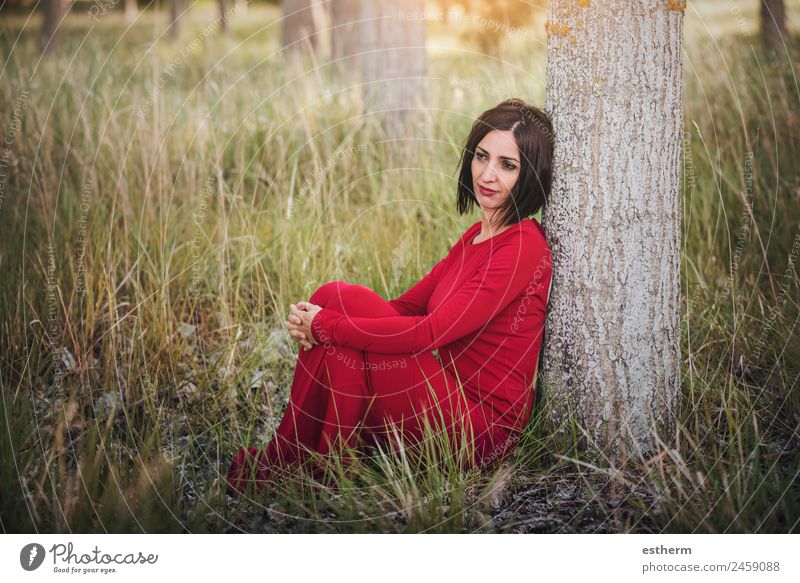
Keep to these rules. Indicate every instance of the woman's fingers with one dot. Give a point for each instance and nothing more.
(301, 307)
(298, 334)
(295, 323)
(301, 317)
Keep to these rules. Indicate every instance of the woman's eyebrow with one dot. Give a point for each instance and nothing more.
(501, 157)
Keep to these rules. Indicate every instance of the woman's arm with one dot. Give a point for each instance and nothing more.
(491, 288)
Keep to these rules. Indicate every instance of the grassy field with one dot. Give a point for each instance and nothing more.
(163, 204)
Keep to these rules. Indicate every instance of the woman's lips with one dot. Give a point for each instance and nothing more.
(486, 192)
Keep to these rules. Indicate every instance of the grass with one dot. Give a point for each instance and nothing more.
(164, 207)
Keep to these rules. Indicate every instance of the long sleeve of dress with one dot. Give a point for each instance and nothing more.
(414, 302)
(490, 289)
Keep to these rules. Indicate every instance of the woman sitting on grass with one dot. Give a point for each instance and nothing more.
(367, 371)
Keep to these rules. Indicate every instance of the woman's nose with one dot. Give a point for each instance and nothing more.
(488, 174)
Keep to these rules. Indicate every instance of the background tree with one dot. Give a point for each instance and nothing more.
(394, 64)
(175, 15)
(611, 350)
(131, 10)
(773, 23)
(302, 20)
(223, 18)
(345, 35)
(53, 11)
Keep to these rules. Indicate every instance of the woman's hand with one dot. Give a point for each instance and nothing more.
(299, 323)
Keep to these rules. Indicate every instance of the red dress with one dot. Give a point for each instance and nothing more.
(482, 306)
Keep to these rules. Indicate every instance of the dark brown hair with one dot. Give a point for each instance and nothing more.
(533, 133)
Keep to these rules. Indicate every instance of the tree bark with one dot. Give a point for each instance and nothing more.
(393, 61)
(175, 15)
(345, 34)
(302, 23)
(223, 19)
(53, 12)
(611, 351)
(773, 23)
(131, 10)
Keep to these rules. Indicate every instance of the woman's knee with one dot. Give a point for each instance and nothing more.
(327, 291)
(349, 298)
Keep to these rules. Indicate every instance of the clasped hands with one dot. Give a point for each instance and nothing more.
(299, 323)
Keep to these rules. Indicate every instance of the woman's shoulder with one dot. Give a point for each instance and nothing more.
(530, 229)
(534, 227)
(532, 241)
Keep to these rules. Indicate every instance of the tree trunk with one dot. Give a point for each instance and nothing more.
(773, 23)
(175, 15)
(611, 351)
(393, 62)
(302, 22)
(223, 19)
(131, 10)
(345, 39)
(53, 12)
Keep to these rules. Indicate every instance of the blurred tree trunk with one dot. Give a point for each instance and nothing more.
(394, 63)
(175, 15)
(53, 11)
(773, 23)
(223, 22)
(131, 10)
(612, 340)
(241, 7)
(345, 39)
(302, 21)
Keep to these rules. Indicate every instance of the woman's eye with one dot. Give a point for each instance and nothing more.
(509, 166)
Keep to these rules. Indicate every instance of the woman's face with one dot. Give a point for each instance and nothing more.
(495, 168)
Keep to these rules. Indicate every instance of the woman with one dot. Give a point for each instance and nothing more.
(367, 369)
